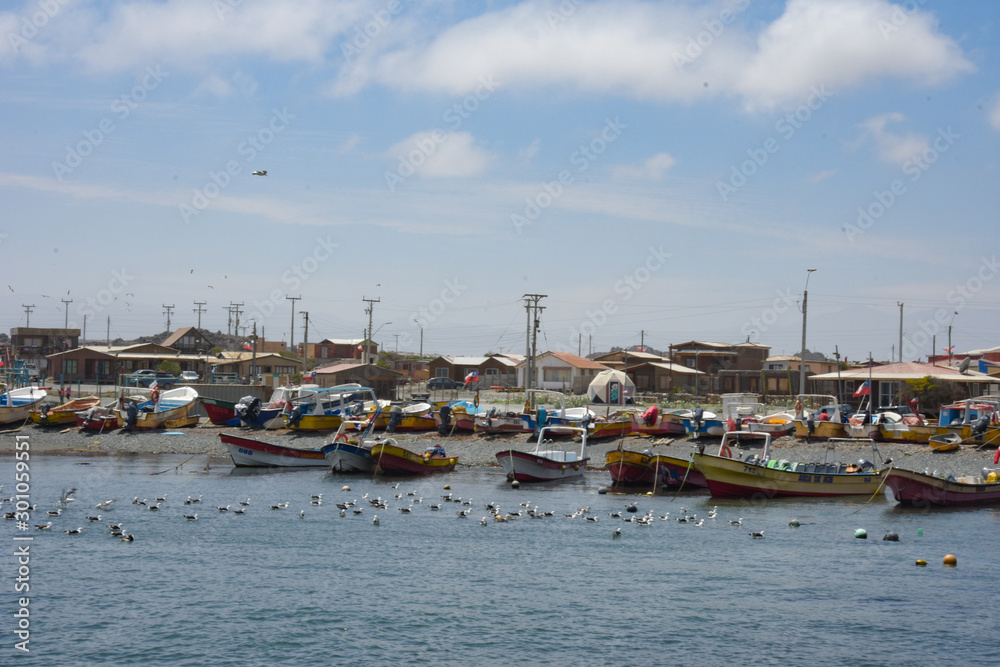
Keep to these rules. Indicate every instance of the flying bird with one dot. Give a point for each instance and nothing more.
(260, 172)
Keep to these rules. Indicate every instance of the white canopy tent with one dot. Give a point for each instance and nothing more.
(611, 387)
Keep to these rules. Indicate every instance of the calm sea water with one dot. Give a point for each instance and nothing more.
(430, 588)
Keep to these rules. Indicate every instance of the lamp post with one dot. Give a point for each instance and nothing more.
(368, 343)
(802, 354)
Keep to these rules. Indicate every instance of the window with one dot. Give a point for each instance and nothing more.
(69, 366)
(689, 363)
(441, 372)
(492, 372)
(556, 375)
(104, 367)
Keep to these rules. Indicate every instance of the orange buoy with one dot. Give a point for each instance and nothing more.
(950, 560)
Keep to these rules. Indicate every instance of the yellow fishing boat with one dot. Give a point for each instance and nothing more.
(391, 459)
(62, 414)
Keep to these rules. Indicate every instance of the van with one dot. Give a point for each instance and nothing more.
(32, 370)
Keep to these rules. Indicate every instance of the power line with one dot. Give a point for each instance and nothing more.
(199, 310)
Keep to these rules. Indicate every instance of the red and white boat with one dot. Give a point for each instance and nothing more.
(654, 422)
(920, 489)
(546, 463)
(504, 422)
(256, 453)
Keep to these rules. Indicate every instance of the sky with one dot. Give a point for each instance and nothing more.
(660, 171)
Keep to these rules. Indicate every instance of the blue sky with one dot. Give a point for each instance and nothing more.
(661, 170)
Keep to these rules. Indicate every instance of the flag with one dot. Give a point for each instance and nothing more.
(864, 390)
(248, 347)
(996, 457)
(153, 386)
(472, 377)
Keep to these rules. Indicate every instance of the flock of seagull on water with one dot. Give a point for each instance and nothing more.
(525, 511)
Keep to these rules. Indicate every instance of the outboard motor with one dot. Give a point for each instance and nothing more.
(248, 409)
(395, 416)
(696, 417)
(810, 426)
(981, 424)
(296, 416)
(445, 413)
(131, 415)
(45, 410)
(88, 416)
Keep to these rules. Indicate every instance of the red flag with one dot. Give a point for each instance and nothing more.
(996, 457)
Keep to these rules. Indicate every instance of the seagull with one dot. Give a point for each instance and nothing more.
(191, 517)
(738, 522)
(375, 520)
(319, 496)
(259, 172)
(591, 518)
(105, 505)
(153, 508)
(463, 513)
(343, 512)
(94, 518)
(127, 537)
(245, 503)
(240, 511)
(483, 522)
(302, 514)
(616, 533)
(755, 535)
(405, 510)
(223, 509)
(435, 507)
(43, 526)
(54, 512)
(74, 531)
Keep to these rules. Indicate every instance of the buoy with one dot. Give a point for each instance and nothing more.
(602, 491)
(514, 484)
(794, 523)
(649, 493)
(921, 562)
(861, 534)
(950, 560)
(891, 537)
(447, 487)
(345, 488)
(920, 532)
(631, 508)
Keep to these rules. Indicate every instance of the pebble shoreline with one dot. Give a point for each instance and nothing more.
(476, 450)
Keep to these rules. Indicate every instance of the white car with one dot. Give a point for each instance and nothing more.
(188, 376)
(32, 370)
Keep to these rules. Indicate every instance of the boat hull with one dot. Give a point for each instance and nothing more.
(395, 460)
(17, 405)
(661, 426)
(914, 488)
(823, 430)
(674, 471)
(618, 429)
(220, 412)
(527, 467)
(734, 478)
(349, 457)
(98, 422)
(247, 452)
(630, 468)
(509, 423)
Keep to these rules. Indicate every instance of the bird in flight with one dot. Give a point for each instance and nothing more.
(260, 172)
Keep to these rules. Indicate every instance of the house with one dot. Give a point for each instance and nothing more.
(103, 363)
(417, 370)
(456, 368)
(991, 354)
(711, 358)
(268, 365)
(560, 371)
(339, 348)
(813, 366)
(188, 340)
(273, 346)
(36, 344)
(887, 380)
(663, 377)
(383, 380)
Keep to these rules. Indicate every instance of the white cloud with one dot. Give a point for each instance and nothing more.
(651, 169)
(893, 148)
(994, 112)
(215, 86)
(440, 154)
(528, 153)
(821, 176)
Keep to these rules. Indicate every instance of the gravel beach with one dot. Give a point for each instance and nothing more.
(475, 450)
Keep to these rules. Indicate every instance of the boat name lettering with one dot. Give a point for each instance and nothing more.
(247, 452)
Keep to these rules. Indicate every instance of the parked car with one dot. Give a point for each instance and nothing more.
(146, 377)
(188, 376)
(32, 370)
(444, 383)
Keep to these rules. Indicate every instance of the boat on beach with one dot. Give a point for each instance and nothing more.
(812, 422)
(323, 409)
(699, 422)
(17, 404)
(655, 422)
(547, 462)
(948, 442)
(47, 415)
(249, 452)
(495, 423)
(631, 468)
(391, 459)
(153, 411)
(460, 416)
(98, 418)
(614, 426)
(220, 412)
(727, 474)
(968, 419)
(910, 487)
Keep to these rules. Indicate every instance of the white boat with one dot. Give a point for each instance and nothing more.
(547, 462)
(351, 448)
(563, 420)
(743, 412)
(16, 404)
(154, 410)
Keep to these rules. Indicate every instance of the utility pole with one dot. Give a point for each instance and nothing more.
(83, 338)
(67, 302)
(900, 304)
(421, 342)
(531, 305)
(305, 340)
(27, 311)
(291, 336)
(642, 340)
(370, 309)
(397, 344)
(236, 313)
(199, 310)
(166, 311)
(229, 324)
(253, 359)
(109, 332)
(802, 354)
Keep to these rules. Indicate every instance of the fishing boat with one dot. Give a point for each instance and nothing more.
(248, 452)
(47, 415)
(921, 489)
(16, 404)
(613, 426)
(563, 420)
(324, 409)
(459, 416)
(631, 468)
(547, 462)
(98, 418)
(699, 422)
(351, 449)
(820, 417)
(412, 417)
(495, 422)
(948, 442)
(219, 411)
(727, 474)
(654, 422)
(968, 419)
(391, 459)
(143, 412)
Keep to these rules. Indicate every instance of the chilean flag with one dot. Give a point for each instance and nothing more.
(248, 347)
(864, 390)
(472, 377)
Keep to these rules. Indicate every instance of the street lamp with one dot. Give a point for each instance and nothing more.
(368, 343)
(802, 354)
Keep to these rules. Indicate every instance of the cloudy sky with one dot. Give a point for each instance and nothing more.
(662, 171)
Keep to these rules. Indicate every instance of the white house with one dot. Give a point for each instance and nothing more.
(561, 371)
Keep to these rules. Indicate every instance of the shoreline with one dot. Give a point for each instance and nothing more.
(478, 450)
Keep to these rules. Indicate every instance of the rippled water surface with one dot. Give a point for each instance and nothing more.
(431, 588)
